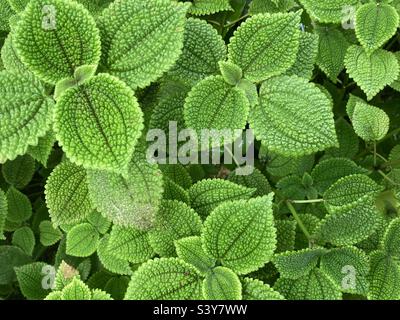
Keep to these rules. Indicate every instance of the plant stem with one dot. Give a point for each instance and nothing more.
(375, 154)
(298, 220)
(230, 24)
(307, 201)
(387, 178)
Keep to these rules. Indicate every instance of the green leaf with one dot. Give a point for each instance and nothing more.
(130, 244)
(178, 174)
(26, 113)
(54, 27)
(331, 51)
(371, 72)
(101, 223)
(207, 194)
(328, 171)
(314, 286)
(222, 284)
(3, 213)
(82, 240)
(348, 267)
(55, 295)
(391, 240)
(369, 122)
(41, 152)
(48, 234)
(384, 277)
(67, 195)
(130, 200)
(165, 279)
(254, 289)
(98, 294)
(125, 28)
(25, 239)
(173, 191)
(286, 235)
(272, 6)
(375, 24)
(296, 264)
(231, 73)
(214, 104)
(255, 180)
(203, 47)
(306, 56)
(30, 280)
(206, 7)
(18, 5)
(11, 257)
(19, 206)
(294, 117)
(10, 57)
(241, 234)
(6, 12)
(76, 290)
(19, 172)
(117, 286)
(329, 11)
(174, 220)
(191, 251)
(109, 260)
(281, 166)
(99, 123)
(348, 141)
(259, 42)
(250, 90)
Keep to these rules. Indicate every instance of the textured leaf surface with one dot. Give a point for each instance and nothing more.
(130, 200)
(286, 235)
(129, 52)
(165, 279)
(214, 104)
(54, 37)
(203, 47)
(391, 240)
(82, 240)
(370, 123)
(30, 279)
(266, 45)
(41, 152)
(254, 289)
(178, 174)
(19, 172)
(19, 206)
(11, 257)
(99, 123)
(348, 267)
(191, 251)
(10, 57)
(207, 194)
(294, 117)
(241, 234)
(25, 239)
(3, 213)
(25, 113)
(272, 6)
(254, 180)
(174, 220)
(314, 286)
(67, 195)
(329, 11)
(206, 7)
(348, 141)
(371, 72)
(222, 284)
(76, 290)
(48, 234)
(375, 24)
(130, 244)
(6, 12)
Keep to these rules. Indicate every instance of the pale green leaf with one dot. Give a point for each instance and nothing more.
(391, 240)
(328, 11)
(231, 73)
(178, 174)
(82, 240)
(255, 180)
(222, 284)
(254, 289)
(272, 6)
(206, 7)
(30, 280)
(41, 152)
(348, 141)
(76, 290)
(49, 235)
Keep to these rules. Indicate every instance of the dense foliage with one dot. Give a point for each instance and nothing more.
(85, 215)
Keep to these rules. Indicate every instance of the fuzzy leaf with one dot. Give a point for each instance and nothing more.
(19, 172)
(254, 289)
(371, 72)
(214, 104)
(98, 221)
(11, 257)
(173, 191)
(203, 47)
(207, 194)
(41, 152)
(296, 264)
(25, 239)
(6, 12)
(48, 234)
(259, 43)
(99, 123)
(82, 240)
(174, 220)
(130, 244)
(348, 141)
(76, 290)
(314, 286)
(191, 251)
(348, 267)
(178, 174)
(241, 234)
(294, 117)
(10, 57)
(286, 235)
(47, 37)
(369, 122)
(375, 24)
(231, 73)
(18, 5)
(19, 206)
(222, 284)
(255, 180)
(206, 7)
(130, 200)
(391, 240)
(165, 279)
(129, 52)
(26, 113)
(30, 279)
(3, 213)
(328, 11)
(272, 6)
(67, 194)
